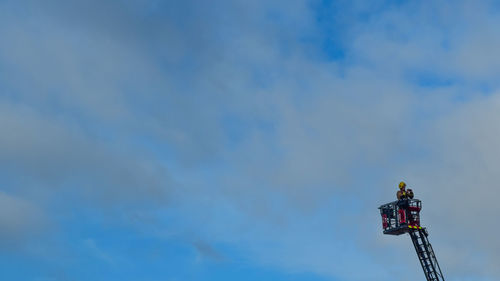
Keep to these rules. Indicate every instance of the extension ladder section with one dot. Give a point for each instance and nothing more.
(426, 255)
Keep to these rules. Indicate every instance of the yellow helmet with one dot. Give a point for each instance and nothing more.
(402, 185)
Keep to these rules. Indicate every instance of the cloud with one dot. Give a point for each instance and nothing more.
(50, 153)
(377, 116)
(20, 219)
(234, 120)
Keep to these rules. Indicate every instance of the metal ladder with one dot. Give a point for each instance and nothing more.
(426, 255)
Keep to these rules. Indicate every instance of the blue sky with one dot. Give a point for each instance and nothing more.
(245, 140)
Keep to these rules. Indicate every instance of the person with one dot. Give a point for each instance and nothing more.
(402, 194)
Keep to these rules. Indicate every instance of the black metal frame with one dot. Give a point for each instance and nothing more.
(391, 211)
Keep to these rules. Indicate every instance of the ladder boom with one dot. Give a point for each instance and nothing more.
(426, 255)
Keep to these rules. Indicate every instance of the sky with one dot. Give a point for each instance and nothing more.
(246, 140)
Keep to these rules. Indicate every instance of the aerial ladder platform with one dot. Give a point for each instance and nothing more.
(403, 216)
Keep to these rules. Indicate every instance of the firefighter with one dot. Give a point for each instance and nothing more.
(402, 194)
